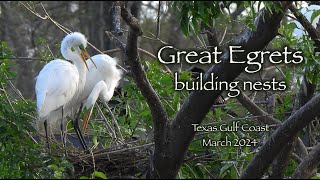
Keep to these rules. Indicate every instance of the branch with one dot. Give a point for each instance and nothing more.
(300, 148)
(307, 166)
(255, 110)
(281, 137)
(212, 37)
(116, 41)
(279, 165)
(116, 18)
(158, 21)
(158, 112)
(130, 19)
(179, 134)
(110, 51)
(313, 3)
(122, 47)
(296, 158)
(313, 33)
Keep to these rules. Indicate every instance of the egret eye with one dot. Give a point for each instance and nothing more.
(72, 49)
(81, 47)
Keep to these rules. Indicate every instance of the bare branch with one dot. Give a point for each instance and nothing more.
(117, 41)
(313, 33)
(313, 3)
(255, 110)
(296, 158)
(113, 119)
(300, 148)
(130, 19)
(169, 156)
(158, 112)
(158, 21)
(280, 164)
(308, 165)
(61, 27)
(281, 137)
(116, 18)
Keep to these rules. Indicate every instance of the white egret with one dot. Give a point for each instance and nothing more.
(60, 83)
(101, 81)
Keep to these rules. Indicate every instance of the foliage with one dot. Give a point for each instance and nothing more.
(194, 14)
(227, 162)
(20, 156)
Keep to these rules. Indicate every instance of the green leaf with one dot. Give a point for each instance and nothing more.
(314, 15)
(99, 174)
(84, 177)
(224, 168)
(185, 25)
(53, 167)
(195, 25)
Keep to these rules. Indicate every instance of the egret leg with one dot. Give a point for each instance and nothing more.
(47, 137)
(63, 135)
(77, 129)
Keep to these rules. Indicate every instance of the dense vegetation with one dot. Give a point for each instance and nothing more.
(198, 24)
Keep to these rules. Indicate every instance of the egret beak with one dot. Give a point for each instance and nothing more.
(85, 122)
(86, 119)
(84, 60)
(87, 54)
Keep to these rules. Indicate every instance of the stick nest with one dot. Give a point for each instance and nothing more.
(122, 160)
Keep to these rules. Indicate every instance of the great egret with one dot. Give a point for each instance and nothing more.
(60, 83)
(101, 81)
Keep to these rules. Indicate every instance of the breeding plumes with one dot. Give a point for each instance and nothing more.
(59, 85)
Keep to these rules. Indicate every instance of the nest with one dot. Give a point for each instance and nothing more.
(124, 160)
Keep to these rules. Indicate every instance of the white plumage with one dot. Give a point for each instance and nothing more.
(63, 86)
(56, 85)
(60, 83)
(101, 81)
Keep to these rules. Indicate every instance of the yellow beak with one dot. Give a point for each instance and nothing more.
(85, 122)
(84, 60)
(85, 53)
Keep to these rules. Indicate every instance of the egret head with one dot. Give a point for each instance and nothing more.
(73, 47)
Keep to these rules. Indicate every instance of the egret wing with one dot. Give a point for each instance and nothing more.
(56, 85)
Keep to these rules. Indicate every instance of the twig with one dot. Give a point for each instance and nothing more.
(244, 118)
(288, 15)
(307, 166)
(16, 90)
(114, 121)
(108, 126)
(64, 29)
(158, 20)
(93, 161)
(255, 110)
(313, 33)
(296, 158)
(50, 51)
(122, 47)
(6, 95)
(24, 58)
(117, 41)
(223, 36)
(155, 39)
